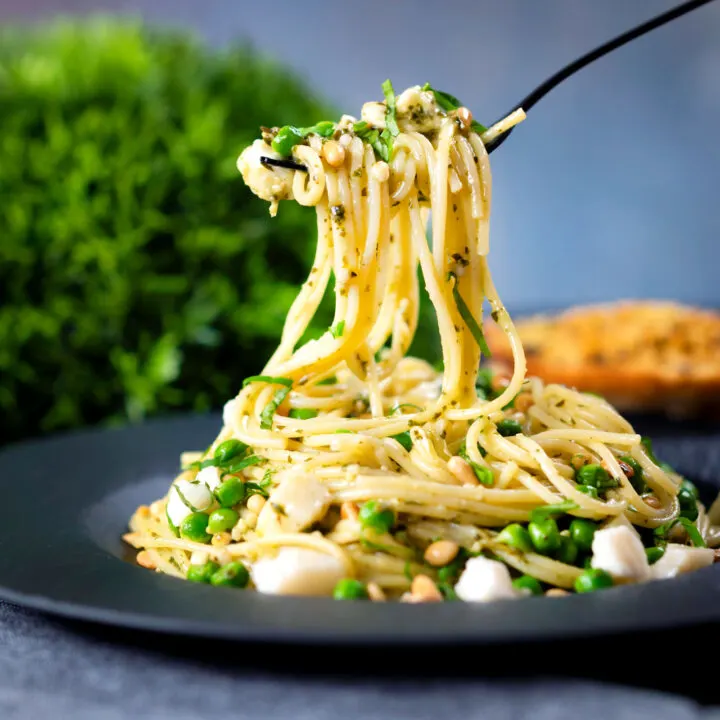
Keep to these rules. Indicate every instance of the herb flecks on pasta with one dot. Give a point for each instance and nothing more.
(348, 468)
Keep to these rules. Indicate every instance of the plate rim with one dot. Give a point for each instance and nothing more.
(412, 622)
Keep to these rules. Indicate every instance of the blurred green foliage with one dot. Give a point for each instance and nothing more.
(138, 275)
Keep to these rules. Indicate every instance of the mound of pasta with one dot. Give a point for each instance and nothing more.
(350, 469)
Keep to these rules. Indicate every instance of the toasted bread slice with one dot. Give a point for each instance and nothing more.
(642, 356)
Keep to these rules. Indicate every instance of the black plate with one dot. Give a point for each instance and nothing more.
(66, 500)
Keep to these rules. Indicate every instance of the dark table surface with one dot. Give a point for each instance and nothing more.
(52, 668)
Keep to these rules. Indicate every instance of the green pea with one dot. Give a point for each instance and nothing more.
(404, 439)
(303, 413)
(325, 128)
(654, 554)
(595, 476)
(568, 551)
(593, 579)
(516, 536)
(234, 574)
(194, 527)
(509, 427)
(582, 532)
(525, 582)
(349, 589)
(229, 449)
(373, 515)
(286, 139)
(545, 536)
(637, 480)
(230, 492)
(588, 490)
(687, 497)
(222, 520)
(202, 573)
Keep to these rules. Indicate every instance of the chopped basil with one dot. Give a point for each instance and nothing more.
(185, 501)
(390, 112)
(542, 513)
(338, 330)
(288, 136)
(693, 533)
(381, 142)
(449, 103)
(404, 439)
(482, 473)
(287, 382)
(470, 321)
(303, 413)
(332, 380)
(246, 463)
(401, 406)
(266, 416)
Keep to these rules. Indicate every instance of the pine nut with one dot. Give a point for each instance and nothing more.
(334, 153)
(464, 116)
(462, 471)
(238, 531)
(144, 560)
(652, 501)
(250, 518)
(441, 552)
(556, 592)
(255, 503)
(375, 592)
(423, 589)
(221, 538)
(499, 382)
(579, 460)
(349, 511)
(629, 472)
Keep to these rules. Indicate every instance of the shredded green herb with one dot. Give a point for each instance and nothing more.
(482, 473)
(267, 379)
(693, 533)
(401, 406)
(390, 111)
(449, 103)
(338, 330)
(381, 142)
(266, 416)
(332, 380)
(245, 463)
(404, 439)
(470, 321)
(542, 513)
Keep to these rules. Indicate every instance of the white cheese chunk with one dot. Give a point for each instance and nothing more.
(485, 580)
(373, 113)
(298, 571)
(681, 559)
(296, 503)
(186, 497)
(229, 412)
(269, 183)
(619, 551)
(210, 476)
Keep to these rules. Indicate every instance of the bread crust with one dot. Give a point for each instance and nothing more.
(641, 356)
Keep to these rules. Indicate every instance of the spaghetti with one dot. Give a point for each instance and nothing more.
(349, 468)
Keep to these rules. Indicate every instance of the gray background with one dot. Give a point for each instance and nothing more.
(610, 188)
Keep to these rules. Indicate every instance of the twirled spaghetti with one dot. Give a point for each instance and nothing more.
(350, 468)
